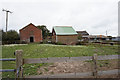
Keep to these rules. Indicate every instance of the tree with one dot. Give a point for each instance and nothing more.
(79, 36)
(11, 37)
(45, 31)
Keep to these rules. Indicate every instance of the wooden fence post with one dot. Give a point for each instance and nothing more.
(95, 65)
(19, 62)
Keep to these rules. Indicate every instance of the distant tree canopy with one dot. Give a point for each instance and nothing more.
(10, 37)
(45, 31)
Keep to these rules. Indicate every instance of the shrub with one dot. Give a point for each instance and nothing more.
(23, 42)
(82, 43)
(59, 43)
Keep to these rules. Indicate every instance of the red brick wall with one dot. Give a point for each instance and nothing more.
(67, 39)
(29, 31)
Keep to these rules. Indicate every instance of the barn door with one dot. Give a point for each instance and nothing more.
(31, 39)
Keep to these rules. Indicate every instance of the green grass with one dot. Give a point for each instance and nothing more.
(41, 50)
(48, 50)
(103, 63)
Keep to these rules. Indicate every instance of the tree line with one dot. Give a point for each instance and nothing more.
(10, 37)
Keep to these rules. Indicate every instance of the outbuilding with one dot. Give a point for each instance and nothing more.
(64, 34)
(30, 33)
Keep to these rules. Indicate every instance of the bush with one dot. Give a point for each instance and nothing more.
(46, 42)
(59, 43)
(11, 42)
(23, 42)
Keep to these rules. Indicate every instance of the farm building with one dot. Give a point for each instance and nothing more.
(30, 33)
(97, 37)
(64, 34)
(83, 34)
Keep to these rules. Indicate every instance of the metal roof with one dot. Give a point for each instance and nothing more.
(82, 32)
(64, 30)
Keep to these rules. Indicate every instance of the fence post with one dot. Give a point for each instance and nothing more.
(19, 62)
(95, 65)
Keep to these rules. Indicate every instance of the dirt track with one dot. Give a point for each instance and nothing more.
(78, 67)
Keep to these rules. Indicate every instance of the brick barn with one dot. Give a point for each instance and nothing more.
(64, 34)
(30, 33)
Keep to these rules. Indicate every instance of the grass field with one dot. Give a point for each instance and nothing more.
(49, 50)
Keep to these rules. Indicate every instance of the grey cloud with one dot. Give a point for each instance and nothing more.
(90, 15)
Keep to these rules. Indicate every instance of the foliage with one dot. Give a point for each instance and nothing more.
(10, 37)
(59, 43)
(103, 63)
(79, 37)
(45, 31)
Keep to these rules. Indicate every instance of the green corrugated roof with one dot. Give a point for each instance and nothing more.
(64, 30)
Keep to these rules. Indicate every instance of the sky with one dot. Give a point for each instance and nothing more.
(94, 16)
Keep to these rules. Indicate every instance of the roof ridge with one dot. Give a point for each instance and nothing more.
(28, 25)
(63, 30)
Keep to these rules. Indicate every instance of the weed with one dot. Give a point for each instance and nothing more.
(46, 69)
(52, 72)
(40, 73)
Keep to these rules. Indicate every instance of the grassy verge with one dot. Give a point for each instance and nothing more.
(48, 50)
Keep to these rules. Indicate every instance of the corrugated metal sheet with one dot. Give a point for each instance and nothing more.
(82, 32)
(64, 30)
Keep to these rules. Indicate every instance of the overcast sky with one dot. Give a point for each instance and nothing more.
(94, 16)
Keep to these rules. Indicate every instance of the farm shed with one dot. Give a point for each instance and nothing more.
(97, 37)
(83, 35)
(30, 33)
(64, 34)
